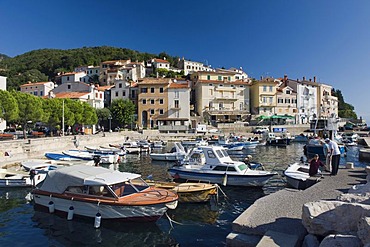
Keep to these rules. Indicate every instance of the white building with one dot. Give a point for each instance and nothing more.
(74, 77)
(121, 90)
(80, 91)
(190, 67)
(39, 89)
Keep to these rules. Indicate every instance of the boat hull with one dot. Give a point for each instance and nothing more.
(231, 179)
(166, 157)
(108, 211)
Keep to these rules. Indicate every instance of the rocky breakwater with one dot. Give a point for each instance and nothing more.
(341, 222)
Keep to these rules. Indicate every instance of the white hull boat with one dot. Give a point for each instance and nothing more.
(297, 176)
(213, 164)
(112, 194)
(177, 153)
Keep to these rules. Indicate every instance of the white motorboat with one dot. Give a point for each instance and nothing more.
(29, 173)
(88, 191)
(297, 176)
(213, 164)
(85, 155)
(177, 153)
(105, 150)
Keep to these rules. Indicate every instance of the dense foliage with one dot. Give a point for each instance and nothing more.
(45, 64)
(345, 110)
(22, 109)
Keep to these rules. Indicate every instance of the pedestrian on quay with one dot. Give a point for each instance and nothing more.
(327, 156)
(334, 153)
(315, 163)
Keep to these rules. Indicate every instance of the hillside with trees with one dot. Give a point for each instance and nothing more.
(45, 64)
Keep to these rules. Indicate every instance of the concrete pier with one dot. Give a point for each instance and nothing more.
(275, 220)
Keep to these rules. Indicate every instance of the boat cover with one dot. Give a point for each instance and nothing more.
(57, 181)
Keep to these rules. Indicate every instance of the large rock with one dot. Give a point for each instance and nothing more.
(363, 198)
(363, 231)
(360, 188)
(327, 217)
(310, 241)
(341, 241)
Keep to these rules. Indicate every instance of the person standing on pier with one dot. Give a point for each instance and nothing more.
(334, 154)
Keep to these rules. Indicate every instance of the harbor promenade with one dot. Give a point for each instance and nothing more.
(276, 219)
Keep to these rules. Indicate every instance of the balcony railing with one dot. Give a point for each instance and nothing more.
(173, 127)
(227, 112)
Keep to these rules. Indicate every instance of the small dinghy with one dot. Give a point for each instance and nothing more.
(297, 176)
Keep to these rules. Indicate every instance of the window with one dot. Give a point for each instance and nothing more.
(211, 154)
(152, 89)
(161, 111)
(270, 88)
(177, 105)
(120, 85)
(67, 78)
(270, 100)
(280, 100)
(144, 101)
(144, 90)
(208, 77)
(161, 101)
(287, 101)
(288, 92)
(176, 94)
(116, 94)
(152, 102)
(264, 89)
(161, 89)
(219, 78)
(69, 86)
(151, 111)
(41, 93)
(35, 93)
(124, 93)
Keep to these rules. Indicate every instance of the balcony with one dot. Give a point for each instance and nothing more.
(173, 128)
(227, 111)
(229, 89)
(175, 108)
(228, 98)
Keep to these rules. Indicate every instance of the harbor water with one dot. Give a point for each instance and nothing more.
(188, 225)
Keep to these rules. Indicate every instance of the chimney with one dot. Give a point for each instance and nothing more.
(285, 77)
(314, 79)
(310, 79)
(304, 78)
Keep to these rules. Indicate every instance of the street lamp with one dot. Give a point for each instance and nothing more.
(110, 123)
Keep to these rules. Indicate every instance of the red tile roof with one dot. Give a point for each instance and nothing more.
(179, 85)
(160, 60)
(70, 95)
(34, 84)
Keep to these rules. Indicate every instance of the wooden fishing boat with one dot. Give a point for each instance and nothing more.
(189, 192)
(88, 191)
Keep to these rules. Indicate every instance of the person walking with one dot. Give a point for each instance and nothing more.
(334, 154)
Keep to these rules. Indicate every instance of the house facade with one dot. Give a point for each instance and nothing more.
(218, 97)
(263, 96)
(80, 91)
(286, 103)
(39, 89)
(177, 117)
(190, 67)
(152, 101)
(328, 104)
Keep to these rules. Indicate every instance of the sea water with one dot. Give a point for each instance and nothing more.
(203, 224)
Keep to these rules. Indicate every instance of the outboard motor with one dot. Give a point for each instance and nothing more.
(97, 160)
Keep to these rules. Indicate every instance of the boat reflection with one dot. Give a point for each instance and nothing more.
(12, 198)
(81, 232)
(194, 213)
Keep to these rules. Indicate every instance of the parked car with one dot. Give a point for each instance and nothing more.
(260, 130)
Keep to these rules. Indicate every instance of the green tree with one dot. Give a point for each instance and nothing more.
(162, 72)
(8, 106)
(89, 114)
(30, 109)
(345, 110)
(123, 111)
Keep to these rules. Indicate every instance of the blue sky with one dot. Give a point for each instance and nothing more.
(327, 39)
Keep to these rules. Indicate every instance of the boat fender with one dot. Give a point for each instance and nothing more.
(97, 220)
(51, 207)
(224, 181)
(70, 213)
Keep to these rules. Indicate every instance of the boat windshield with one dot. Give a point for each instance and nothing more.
(242, 167)
(129, 187)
